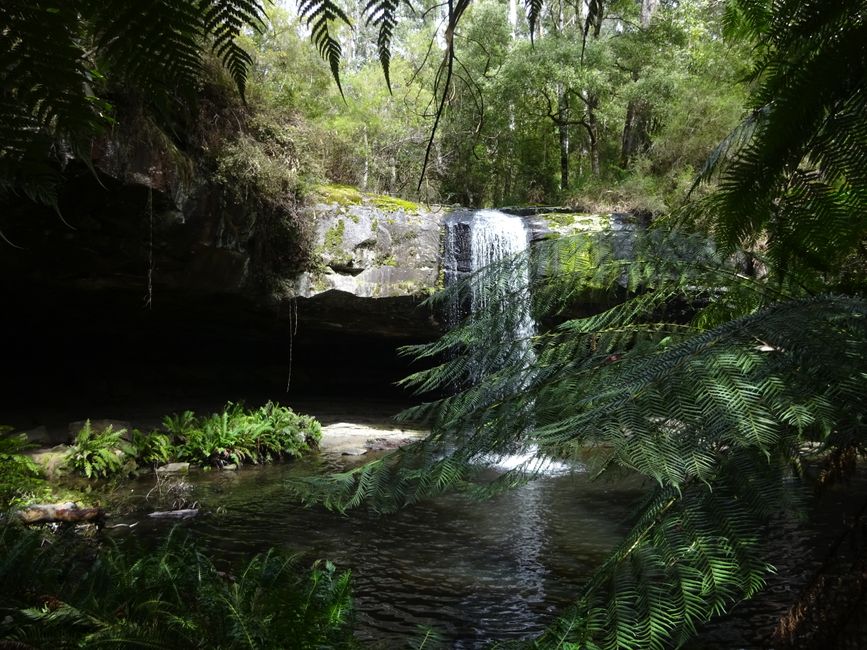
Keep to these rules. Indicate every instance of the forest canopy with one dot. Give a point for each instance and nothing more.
(537, 107)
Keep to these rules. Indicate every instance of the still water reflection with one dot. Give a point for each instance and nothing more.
(479, 571)
(473, 571)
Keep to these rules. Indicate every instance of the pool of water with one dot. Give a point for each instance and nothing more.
(474, 571)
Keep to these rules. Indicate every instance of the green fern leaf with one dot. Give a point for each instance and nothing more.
(382, 13)
(319, 16)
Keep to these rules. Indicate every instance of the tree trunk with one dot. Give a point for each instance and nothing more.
(594, 145)
(366, 173)
(648, 7)
(563, 133)
(636, 131)
(65, 513)
(636, 127)
(591, 125)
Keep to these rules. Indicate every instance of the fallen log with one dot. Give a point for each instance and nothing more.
(63, 513)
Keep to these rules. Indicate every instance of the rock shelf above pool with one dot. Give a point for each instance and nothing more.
(352, 439)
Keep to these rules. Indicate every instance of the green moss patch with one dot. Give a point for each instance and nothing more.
(392, 203)
(346, 195)
(341, 194)
(575, 220)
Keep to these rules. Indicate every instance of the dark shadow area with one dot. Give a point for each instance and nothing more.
(70, 355)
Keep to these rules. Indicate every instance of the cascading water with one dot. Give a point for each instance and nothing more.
(475, 241)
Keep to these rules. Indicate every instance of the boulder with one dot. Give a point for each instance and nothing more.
(376, 247)
(39, 436)
(174, 468)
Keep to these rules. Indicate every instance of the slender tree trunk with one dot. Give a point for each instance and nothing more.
(563, 133)
(513, 18)
(594, 143)
(648, 7)
(366, 173)
(636, 127)
(591, 125)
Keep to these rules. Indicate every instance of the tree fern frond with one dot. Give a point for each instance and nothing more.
(319, 16)
(813, 126)
(225, 20)
(534, 11)
(383, 14)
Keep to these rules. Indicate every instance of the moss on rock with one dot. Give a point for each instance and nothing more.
(346, 195)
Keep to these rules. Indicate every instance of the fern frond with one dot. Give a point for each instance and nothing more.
(319, 16)
(534, 10)
(383, 14)
(224, 21)
(802, 162)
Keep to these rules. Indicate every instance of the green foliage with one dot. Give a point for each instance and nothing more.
(498, 139)
(73, 595)
(20, 478)
(237, 435)
(152, 448)
(792, 175)
(99, 454)
(248, 169)
(57, 61)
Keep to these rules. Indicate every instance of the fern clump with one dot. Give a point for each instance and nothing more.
(170, 597)
(21, 480)
(152, 448)
(100, 454)
(237, 435)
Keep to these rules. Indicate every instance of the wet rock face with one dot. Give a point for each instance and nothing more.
(374, 261)
(372, 252)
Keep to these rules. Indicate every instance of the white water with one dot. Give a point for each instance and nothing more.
(494, 237)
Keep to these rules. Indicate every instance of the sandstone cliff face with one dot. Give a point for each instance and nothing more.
(158, 280)
(374, 260)
(372, 251)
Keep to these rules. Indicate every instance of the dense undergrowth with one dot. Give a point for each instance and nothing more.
(20, 478)
(64, 591)
(234, 436)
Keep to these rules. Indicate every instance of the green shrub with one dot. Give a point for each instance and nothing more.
(152, 448)
(283, 432)
(171, 597)
(180, 425)
(237, 435)
(20, 478)
(99, 454)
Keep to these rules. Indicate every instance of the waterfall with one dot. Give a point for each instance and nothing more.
(473, 241)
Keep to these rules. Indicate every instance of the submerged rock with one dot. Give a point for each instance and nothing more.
(174, 468)
(184, 513)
